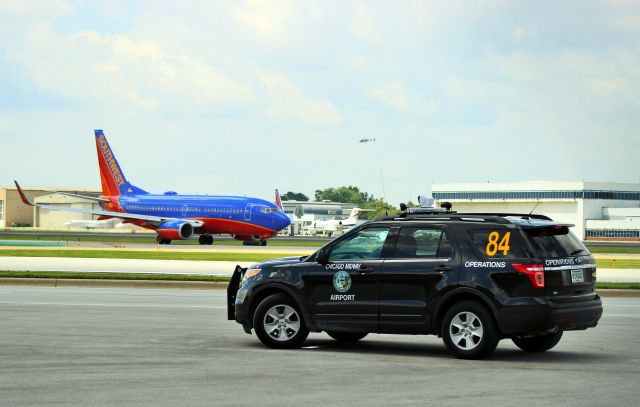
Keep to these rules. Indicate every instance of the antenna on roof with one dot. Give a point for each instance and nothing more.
(534, 208)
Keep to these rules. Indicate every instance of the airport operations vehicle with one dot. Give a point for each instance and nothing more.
(174, 216)
(472, 279)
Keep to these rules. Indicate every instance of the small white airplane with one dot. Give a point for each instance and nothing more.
(112, 223)
(332, 226)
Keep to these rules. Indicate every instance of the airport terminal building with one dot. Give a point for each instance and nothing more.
(599, 210)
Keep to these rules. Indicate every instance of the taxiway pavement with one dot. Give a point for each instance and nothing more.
(105, 347)
(211, 268)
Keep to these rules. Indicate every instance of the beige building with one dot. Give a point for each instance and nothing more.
(47, 218)
(599, 210)
(14, 213)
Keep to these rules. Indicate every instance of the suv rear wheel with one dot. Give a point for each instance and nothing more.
(278, 322)
(538, 343)
(468, 330)
(346, 336)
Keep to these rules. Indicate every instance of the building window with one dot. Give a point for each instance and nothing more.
(617, 195)
(1, 210)
(624, 233)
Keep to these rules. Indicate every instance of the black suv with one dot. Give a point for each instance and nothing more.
(472, 279)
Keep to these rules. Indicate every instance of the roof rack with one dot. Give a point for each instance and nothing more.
(446, 216)
(487, 217)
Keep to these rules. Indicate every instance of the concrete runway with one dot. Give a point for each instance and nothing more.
(105, 347)
(214, 268)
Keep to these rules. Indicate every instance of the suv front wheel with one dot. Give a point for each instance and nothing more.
(468, 330)
(278, 322)
(538, 343)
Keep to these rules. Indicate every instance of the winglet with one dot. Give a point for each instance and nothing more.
(279, 201)
(23, 196)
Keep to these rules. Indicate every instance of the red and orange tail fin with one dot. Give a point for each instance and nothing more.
(112, 178)
(279, 201)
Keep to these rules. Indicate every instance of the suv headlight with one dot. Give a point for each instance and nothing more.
(250, 273)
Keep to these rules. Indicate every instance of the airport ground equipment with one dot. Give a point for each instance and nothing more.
(472, 279)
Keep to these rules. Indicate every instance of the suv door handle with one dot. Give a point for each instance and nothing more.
(442, 268)
(365, 270)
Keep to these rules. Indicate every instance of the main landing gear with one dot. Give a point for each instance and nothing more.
(163, 241)
(205, 240)
(261, 242)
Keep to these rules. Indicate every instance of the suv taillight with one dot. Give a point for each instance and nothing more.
(534, 271)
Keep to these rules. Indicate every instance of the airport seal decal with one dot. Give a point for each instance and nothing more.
(342, 281)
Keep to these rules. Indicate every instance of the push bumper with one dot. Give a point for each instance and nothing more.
(233, 313)
(548, 315)
(232, 292)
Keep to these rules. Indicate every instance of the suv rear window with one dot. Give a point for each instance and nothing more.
(555, 241)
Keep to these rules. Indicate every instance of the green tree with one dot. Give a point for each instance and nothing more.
(348, 194)
(294, 196)
(379, 207)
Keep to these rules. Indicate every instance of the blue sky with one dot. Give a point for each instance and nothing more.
(243, 97)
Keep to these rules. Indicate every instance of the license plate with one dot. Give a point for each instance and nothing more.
(577, 276)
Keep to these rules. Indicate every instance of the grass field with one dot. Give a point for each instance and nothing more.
(212, 256)
(145, 239)
(108, 276)
(614, 249)
(147, 255)
(182, 277)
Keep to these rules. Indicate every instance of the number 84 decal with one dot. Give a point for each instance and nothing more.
(496, 244)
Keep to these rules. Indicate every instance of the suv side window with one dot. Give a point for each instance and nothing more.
(499, 243)
(366, 244)
(422, 242)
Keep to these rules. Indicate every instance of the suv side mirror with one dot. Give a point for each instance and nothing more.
(323, 256)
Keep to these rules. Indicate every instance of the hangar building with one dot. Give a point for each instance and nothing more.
(14, 213)
(600, 210)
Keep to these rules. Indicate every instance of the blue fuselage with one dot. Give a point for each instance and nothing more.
(220, 214)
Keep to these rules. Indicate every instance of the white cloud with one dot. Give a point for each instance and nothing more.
(116, 69)
(396, 96)
(269, 21)
(289, 101)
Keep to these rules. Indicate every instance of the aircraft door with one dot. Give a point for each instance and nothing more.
(247, 212)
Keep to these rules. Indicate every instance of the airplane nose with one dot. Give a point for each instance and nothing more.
(283, 221)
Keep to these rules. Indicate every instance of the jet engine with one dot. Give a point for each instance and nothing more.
(175, 230)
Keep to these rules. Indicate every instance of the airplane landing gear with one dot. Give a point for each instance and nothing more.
(205, 239)
(261, 242)
(163, 241)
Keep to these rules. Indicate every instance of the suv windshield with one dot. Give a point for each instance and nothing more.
(556, 241)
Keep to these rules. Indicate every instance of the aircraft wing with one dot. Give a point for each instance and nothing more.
(154, 220)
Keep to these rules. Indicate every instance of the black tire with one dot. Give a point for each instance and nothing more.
(284, 333)
(202, 240)
(469, 330)
(346, 337)
(538, 343)
(209, 240)
(263, 242)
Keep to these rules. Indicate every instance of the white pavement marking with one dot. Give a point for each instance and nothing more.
(210, 268)
(618, 275)
(192, 267)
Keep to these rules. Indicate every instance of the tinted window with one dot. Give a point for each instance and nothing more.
(499, 243)
(417, 242)
(556, 242)
(366, 244)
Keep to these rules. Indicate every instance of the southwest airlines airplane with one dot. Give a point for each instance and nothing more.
(176, 217)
